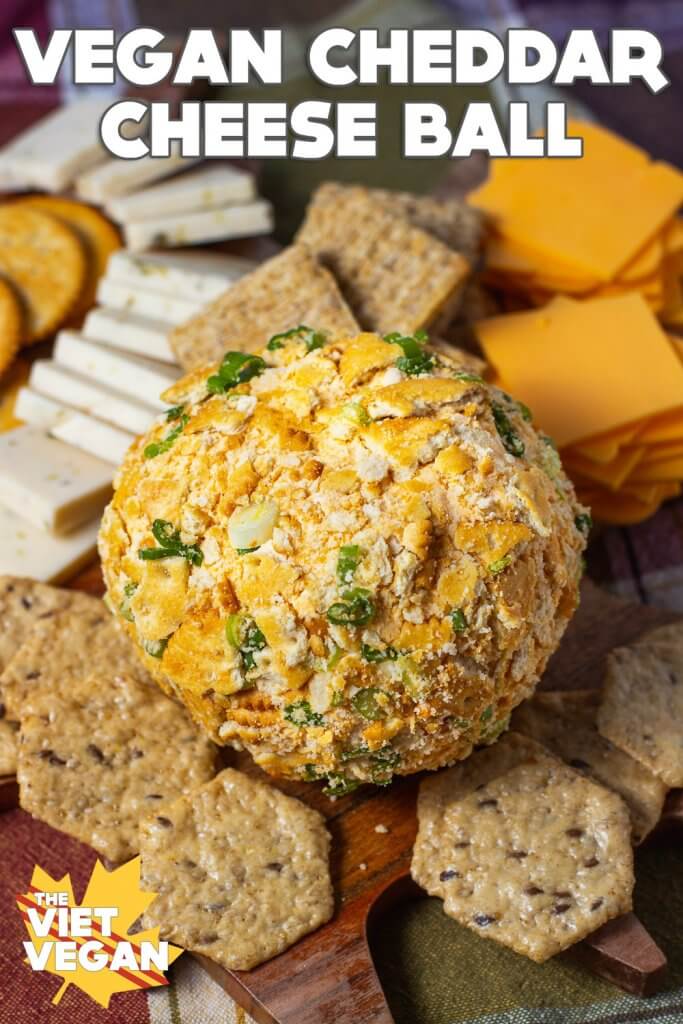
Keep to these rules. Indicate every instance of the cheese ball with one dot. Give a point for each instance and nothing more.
(351, 558)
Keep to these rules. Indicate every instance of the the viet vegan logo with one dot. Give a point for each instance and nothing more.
(89, 944)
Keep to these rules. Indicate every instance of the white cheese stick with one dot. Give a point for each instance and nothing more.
(26, 551)
(205, 188)
(117, 177)
(253, 218)
(86, 395)
(130, 332)
(51, 484)
(66, 142)
(200, 277)
(103, 440)
(141, 378)
(172, 309)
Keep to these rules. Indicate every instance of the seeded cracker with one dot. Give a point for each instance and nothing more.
(24, 603)
(10, 325)
(287, 290)
(70, 645)
(566, 723)
(240, 868)
(98, 754)
(45, 263)
(536, 858)
(642, 706)
(394, 276)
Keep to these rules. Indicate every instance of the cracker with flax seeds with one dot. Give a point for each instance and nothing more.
(241, 871)
(566, 723)
(99, 752)
(23, 604)
(535, 857)
(290, 289)
(642, 704)
(73, 643)
(395, 277)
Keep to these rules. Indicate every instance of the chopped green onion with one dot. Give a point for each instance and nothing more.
(499, 565)
(242, 633)
(155, 648)
(347, 562)
(583, 522)
(338, 699)
(311, 338)
(486, 714)
(377, 654)
(301, 713)
(353, 753)
(158, 447)
(355, 609)
(383, 764)
(339, 785)
(250, 526)
(458, 619)
(468, 378)
(310, 773)
(170, 545)
(174, 413)
(414, 360)
(512, 442)
(526, 412)
(124, 607)
(357, 413)
(334, 659)
(247, 551)
(365, 703)
(236, 368)
(412, 681)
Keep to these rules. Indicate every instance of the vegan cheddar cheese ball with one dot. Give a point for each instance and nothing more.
(351, 558)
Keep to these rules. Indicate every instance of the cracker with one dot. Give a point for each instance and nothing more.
(8, 747)
(98, 236)
(566, 723)
(536, 858)
(240, 868)
(11, 318)
(285, 291)
(45, 262)
(642, 706)
(395, 277)
(74, 643)
(97, 753)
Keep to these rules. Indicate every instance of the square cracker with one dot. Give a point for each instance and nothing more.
(395, 277)
(536, 857)
(71, 644)
(240, 868)
(290, 289)
(97, 754)
(642, 705)
(24, 603)
(566, 723)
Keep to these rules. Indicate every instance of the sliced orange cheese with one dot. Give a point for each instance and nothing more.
(605, 448)
(610, 474)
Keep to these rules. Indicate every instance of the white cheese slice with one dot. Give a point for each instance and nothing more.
(205, 188)
(172, 309)
(66, 142)
(26, 551)
(86, 395)
(103, 440)
(130, 332)
(140, 378)
(253, 218)
(49, 483)
(200, 276)
(117, 177)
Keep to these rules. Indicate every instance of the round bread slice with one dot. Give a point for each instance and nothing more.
(10, 325)
(97, 234)
(45, 262)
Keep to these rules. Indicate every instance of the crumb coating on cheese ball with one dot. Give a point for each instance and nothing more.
(352, 559)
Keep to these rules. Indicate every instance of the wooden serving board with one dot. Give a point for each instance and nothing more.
(329, 977)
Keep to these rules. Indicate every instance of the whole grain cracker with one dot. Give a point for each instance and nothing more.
(566, 723)
(536, 857)
(285, 291)
(395, 277)
(11, 318)
(96, 754)
(642, 706)
(8, 747)
(72, 644)
(240, 868)
(97, 234)
(45, 263)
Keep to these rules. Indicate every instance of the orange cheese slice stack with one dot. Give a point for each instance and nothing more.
(600, 225)
(605, 381)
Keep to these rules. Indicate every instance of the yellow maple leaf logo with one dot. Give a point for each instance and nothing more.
(88, 944)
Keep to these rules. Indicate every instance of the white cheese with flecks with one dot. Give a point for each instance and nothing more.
(132, 299)
(141, 378)
(103, 440)
(38, 410)
(26, 551)
(200, 276)
(49, 483)
(231, 221)
(117, 177)
(202, 189)
(130, 332)
(86, 395)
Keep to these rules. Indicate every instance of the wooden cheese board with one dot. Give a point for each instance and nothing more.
(329, 976)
